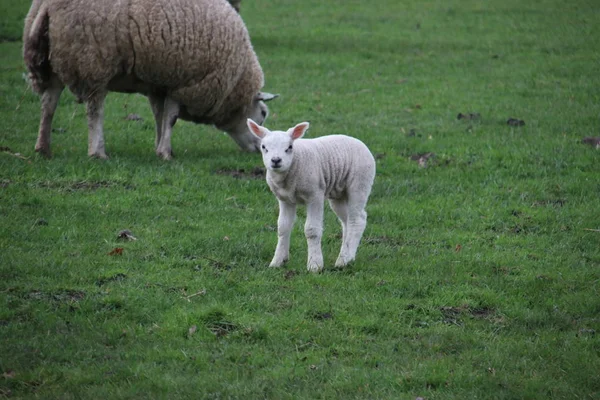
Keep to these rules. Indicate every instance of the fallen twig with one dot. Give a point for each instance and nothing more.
(200, 293)
(591, 230)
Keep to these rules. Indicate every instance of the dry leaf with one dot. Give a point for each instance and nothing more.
(458, 248)
(117, 251)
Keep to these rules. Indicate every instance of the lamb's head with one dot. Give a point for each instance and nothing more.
(258, 111)
(277, 147)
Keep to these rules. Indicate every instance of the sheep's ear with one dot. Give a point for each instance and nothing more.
(256, 129)
(264, 96)
(298, 131)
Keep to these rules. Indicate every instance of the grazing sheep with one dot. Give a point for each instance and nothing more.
(306, 171)
(192, 58)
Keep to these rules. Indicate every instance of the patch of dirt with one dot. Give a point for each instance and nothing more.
(422, 158)
(218, 324)
(81, 185)
(385, 240)
(554, 203)
(482, 312)
(469, 116)
(453, 315)
(515, 122)
(320, 315)
(115, 278)
(254, 173)
(59, 296)
(289, 274)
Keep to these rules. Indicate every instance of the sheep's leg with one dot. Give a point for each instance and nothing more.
(95, 117)
(157, 103)
(285, 222)
(50, 99)
(169, 118)
(355, 226)
(340, 207)
(313, 230)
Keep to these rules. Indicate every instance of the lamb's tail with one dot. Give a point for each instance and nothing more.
(36, 50)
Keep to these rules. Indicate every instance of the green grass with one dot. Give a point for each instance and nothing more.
(477, 277)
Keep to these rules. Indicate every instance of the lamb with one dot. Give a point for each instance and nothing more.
(306, 171)
(192, 58)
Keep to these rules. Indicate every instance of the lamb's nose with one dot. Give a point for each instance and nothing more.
(276, 161)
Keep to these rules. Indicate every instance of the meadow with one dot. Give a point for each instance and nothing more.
(478, 275)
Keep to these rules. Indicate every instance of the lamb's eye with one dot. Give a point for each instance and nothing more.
(263, 113)
(264, 148)
(289, 149)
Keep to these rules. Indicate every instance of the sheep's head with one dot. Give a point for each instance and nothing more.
(277, 147)
(258, 111)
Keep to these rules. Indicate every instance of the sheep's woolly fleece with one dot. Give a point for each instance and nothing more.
(196, 52)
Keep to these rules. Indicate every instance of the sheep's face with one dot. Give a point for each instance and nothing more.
(257, 112)
(277, 147)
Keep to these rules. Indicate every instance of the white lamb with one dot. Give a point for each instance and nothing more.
(306, 171)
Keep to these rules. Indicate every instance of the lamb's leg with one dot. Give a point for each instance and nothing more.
(340, 207)
(355, 226)
(313, 230)
(95, 117)
(169, 118)
(285, 222)
(50, 99)
(157, 103)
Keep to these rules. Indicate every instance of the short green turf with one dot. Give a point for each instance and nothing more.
(478, 274)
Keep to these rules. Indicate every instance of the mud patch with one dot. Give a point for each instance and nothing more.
(57, 296)
(320, 315)
(254, 173)
(551, 203)
(82, 185)
(515, 122)
(114, 278)
(383, 240)
(469, 116)
(218, 323)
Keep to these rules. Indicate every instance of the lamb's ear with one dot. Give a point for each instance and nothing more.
(256, 129)
(264, 96)
(298, 131)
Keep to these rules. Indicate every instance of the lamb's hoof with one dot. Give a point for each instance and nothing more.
(98, 154)
(341, 262)
(314, 267)
(277, 263)
(43, 151)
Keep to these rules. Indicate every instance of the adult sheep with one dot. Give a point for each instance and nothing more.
(192, 58)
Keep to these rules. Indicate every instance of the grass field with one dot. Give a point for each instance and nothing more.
(478, 275)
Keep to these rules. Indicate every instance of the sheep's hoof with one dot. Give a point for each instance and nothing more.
(165, 155)
(43, 151)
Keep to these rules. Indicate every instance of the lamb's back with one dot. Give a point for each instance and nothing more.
(338, 163)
